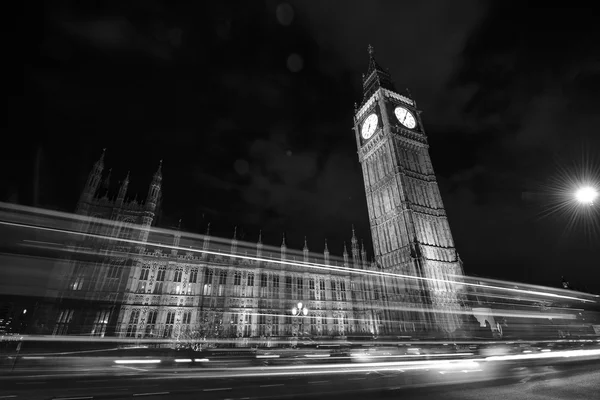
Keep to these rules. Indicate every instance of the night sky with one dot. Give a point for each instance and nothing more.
(250, 106)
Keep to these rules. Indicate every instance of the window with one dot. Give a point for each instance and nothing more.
(62, 322)
(187, 317)
(223, 278)
(322, 285)
(208, 275)
(77, 278)
(114, 271)
(152, 317)
(144, 274)
(194, 275)
(250, 279)
(151, 323)
(161, 274)
(263, 280)
(262, 325)
(133, 321)
(237, 278)
(178, 273)
(311, 288)
(100, 323)
(169, 324)
(300, 287)
(276, 282)
(158, 287)
(343, 290)
(288, 283)
(78, 283)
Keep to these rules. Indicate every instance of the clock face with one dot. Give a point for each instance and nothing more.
(369, 126)
(405, 117)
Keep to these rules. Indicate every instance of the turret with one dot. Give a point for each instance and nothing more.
(91, 186)
(154, 190)
(259, 245)
(234, 241)
(283, 248)
(355, 250)
(206, 243)
(346, 264)
(326, 253)
(305, 251)
(363, 255)
(176, 237)
(123, 190)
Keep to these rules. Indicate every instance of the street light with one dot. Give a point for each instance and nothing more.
(586, 195)
(299, 311)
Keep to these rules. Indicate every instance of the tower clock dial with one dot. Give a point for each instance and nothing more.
(405, 117)
(369, 126)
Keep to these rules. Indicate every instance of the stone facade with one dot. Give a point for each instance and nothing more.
(411, 233)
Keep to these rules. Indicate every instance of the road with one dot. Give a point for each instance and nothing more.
(464, 380)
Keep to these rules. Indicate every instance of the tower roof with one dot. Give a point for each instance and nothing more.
(375, 78)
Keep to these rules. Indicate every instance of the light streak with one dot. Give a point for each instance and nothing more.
(298, 264)
(566, 354)
(137, 361)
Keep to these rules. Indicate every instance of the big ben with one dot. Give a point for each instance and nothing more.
(410, 230)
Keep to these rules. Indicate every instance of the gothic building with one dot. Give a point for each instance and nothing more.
(411, 234)
(140, 281)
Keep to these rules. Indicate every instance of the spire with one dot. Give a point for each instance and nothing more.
(100, 162)
(259, 245)
(326, 253)
(305, 250)
(154, 191)
(206, 243)
(345, 254)
(283, 247)
(123, 189)
(375, 78)
(91, 186)
(106, 183)
(158, 173)
(354, 240)
(363, 255)
(176, 238)
(234, 241)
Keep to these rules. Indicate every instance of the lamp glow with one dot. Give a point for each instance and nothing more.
(586, 195)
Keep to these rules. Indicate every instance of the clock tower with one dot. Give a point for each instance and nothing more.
(411, 234)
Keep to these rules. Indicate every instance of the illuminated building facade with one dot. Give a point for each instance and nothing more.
(411, 233)
(199, 286)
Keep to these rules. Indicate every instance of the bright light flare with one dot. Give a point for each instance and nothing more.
(571, 193)
(586, 195)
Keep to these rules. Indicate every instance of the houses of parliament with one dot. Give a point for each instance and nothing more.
(141, 281)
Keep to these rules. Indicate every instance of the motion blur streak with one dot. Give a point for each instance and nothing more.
(529, 356)
(137, 361)
(289, 263)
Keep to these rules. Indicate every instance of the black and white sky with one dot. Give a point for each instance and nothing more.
(250, 105)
